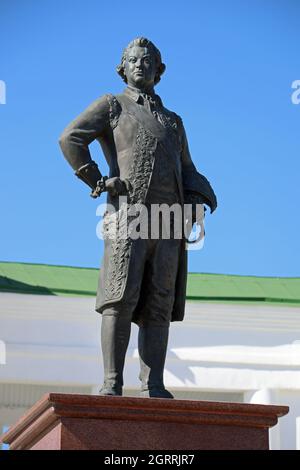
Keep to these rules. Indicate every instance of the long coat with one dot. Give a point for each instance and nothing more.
(131, 138)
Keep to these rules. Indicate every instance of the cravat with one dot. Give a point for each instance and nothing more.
(151, 105)
(149, 102)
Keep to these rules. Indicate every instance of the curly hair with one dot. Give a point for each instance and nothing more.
(143, 42)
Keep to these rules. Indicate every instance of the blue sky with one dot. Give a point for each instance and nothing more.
(230, 66)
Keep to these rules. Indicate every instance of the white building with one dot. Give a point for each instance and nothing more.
(239, 342)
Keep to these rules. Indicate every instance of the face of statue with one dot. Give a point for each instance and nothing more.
(140, 68)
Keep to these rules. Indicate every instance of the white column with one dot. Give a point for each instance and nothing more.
(298, 433)
(267, 396)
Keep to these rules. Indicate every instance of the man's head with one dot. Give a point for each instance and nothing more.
(141, 64)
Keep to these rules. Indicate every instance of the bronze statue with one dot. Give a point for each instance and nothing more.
(141, 280)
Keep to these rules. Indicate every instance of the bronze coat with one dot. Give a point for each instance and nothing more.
(131, 138)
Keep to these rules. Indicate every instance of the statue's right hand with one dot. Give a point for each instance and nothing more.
(115, 186)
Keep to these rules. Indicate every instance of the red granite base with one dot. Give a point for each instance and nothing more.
(84, 422)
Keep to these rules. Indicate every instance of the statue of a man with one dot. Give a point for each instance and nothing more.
(142, 280)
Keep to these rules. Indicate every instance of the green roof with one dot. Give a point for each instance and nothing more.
(25, 278)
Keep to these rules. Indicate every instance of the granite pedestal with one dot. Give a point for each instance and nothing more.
(85, 422)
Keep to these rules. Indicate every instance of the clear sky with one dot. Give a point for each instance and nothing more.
(230, 66)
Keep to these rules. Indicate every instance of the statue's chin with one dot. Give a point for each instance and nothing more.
(139, 81)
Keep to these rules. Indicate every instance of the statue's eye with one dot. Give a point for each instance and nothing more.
(132, 59)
